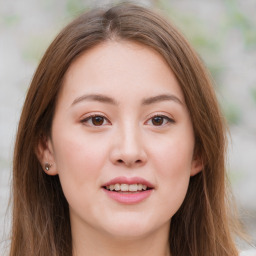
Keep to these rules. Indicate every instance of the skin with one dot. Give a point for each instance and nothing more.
(129, 142)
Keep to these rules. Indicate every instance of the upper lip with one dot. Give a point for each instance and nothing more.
(129, 181)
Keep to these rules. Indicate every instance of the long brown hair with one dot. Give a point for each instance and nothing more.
(41, 223)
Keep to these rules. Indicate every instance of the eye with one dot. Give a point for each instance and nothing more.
(95, 120)
(159, 120)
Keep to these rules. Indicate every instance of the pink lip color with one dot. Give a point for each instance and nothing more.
(128, 198)
(131, 180)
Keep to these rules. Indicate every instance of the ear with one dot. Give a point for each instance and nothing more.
(45, 155)
(196, 166)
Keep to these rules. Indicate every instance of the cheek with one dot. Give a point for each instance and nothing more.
(172, 159)
(174, 156)
(79, 160)
(174, 166)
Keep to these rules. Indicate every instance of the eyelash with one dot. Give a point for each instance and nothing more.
(88, 120)
(167, 119)
(90, 117)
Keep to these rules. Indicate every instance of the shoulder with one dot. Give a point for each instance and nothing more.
(248, 253)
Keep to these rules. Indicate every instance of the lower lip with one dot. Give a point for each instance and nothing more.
(129, 198)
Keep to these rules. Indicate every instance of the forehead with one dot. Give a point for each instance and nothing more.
(124, 67)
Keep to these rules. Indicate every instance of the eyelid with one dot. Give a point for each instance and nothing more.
(89, 116)
(169, 119)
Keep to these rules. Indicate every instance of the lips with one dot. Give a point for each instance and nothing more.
(128, 190)
(126, 187)
(129, 181)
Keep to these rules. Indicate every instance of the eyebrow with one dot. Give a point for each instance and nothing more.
(106, 99)
(95, 97)
(162, 97)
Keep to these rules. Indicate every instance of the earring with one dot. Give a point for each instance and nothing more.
(47, 166)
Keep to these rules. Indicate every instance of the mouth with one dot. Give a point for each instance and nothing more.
(127, 188)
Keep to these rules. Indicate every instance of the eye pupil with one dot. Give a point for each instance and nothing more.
(97, 120)
(157, 120)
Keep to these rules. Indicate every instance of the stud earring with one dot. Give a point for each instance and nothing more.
(47, 166)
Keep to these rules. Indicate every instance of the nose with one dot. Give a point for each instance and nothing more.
(128, 148)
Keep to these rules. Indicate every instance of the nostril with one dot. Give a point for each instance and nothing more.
(120, 161)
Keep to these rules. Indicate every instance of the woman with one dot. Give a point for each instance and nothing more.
(121, 145)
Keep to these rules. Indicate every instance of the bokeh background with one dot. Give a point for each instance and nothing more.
(222, 31)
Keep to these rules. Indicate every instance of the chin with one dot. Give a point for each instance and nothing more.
(129, 227)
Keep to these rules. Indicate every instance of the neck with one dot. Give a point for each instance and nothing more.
(91, 242)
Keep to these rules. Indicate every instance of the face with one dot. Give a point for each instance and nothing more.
(122, 141)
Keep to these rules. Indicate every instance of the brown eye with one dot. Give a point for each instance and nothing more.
(157, 120)
(97, 120)
(160, 120)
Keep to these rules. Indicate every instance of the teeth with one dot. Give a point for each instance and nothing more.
(117, 187)
(124, 187)
(133, 187)
(127, 187)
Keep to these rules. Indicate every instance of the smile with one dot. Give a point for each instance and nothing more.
(126, 190)
(127, 187)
